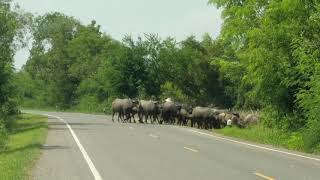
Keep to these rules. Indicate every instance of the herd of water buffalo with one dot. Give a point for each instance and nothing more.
(170, 112)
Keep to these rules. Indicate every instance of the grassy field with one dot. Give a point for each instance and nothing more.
(259, 134)
(23, 148)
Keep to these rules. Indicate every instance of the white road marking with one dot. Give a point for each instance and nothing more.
(256, 146)
(154, 136)
(264, 176)
(190, 149)
(93, 169)
(130, 127)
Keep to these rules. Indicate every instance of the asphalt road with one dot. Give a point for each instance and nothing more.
(99, 149)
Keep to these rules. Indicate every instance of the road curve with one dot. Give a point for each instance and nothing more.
(142, 152)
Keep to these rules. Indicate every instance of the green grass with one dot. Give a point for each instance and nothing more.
(23, 147)
(72, 110)
(259, 134)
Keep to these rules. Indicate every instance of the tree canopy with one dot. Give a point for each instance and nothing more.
(277, 43)
(266, 58)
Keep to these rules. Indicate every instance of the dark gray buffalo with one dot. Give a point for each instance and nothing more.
(117, 109)
(169, 112)
(148, 109)
(206, 118)
(124, 109)
(184, 114)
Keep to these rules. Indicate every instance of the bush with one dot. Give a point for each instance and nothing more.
(3, 136)
(274, 117)
(312, 137)
(309, 102)
(8, 112)
(91, 104)
(296, 142)
(107, 105)
(169, 90)
(261, 134)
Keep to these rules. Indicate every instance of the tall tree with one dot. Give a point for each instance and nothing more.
(50, 60)
(264, 36)
(9, 28)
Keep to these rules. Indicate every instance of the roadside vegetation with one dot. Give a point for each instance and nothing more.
(12, 24)
(265, 59)
(22, 148)
(21, 136)
(278, 138)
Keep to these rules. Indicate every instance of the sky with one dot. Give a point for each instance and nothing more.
(175, 18)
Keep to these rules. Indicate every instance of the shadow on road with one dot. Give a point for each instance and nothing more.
(24, 127)
(78, 124)
(65, 128)
(53, 147)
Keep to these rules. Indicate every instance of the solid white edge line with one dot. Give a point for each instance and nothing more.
(256, 146)
(93, 169)
(190, 149)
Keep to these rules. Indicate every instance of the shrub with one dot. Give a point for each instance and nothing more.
(88, 104)
(312, 137)
(3, 135)
(8, 112)
(169, 90)
(91, 104)
(296, 142)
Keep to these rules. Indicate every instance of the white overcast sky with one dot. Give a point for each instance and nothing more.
(175, 18)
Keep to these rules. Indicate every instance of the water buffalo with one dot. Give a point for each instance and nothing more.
(117, 109)
(184, 115)
(124, 108)
(251, 119)
(169, 112)
(206, 118)
(232, 117)
(148, 109)
(135, 110)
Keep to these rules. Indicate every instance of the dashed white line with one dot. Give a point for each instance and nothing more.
(93, 169)
(256, 146)
(154, 136)
(190, 149)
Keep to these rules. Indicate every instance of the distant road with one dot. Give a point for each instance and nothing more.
(97, 149)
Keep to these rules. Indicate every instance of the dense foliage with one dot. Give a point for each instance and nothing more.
(266, 58)
(77, 66)
(9, 26)
(277, 43)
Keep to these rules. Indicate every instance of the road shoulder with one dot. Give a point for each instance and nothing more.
(61, 158)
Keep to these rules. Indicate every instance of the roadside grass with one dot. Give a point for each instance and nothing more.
(72, 110)
(23, 147)
(263, 135)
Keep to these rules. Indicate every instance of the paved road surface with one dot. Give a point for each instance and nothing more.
(114, 151)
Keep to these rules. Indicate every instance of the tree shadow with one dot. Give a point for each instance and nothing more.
(25, 126)
(29, 128)
(30, 146)
(78, 124)
(53, 147)
(65, 128)
(34, 146)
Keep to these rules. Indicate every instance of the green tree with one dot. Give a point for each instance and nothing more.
(49, 59)
(9, 30)
(306, 51)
